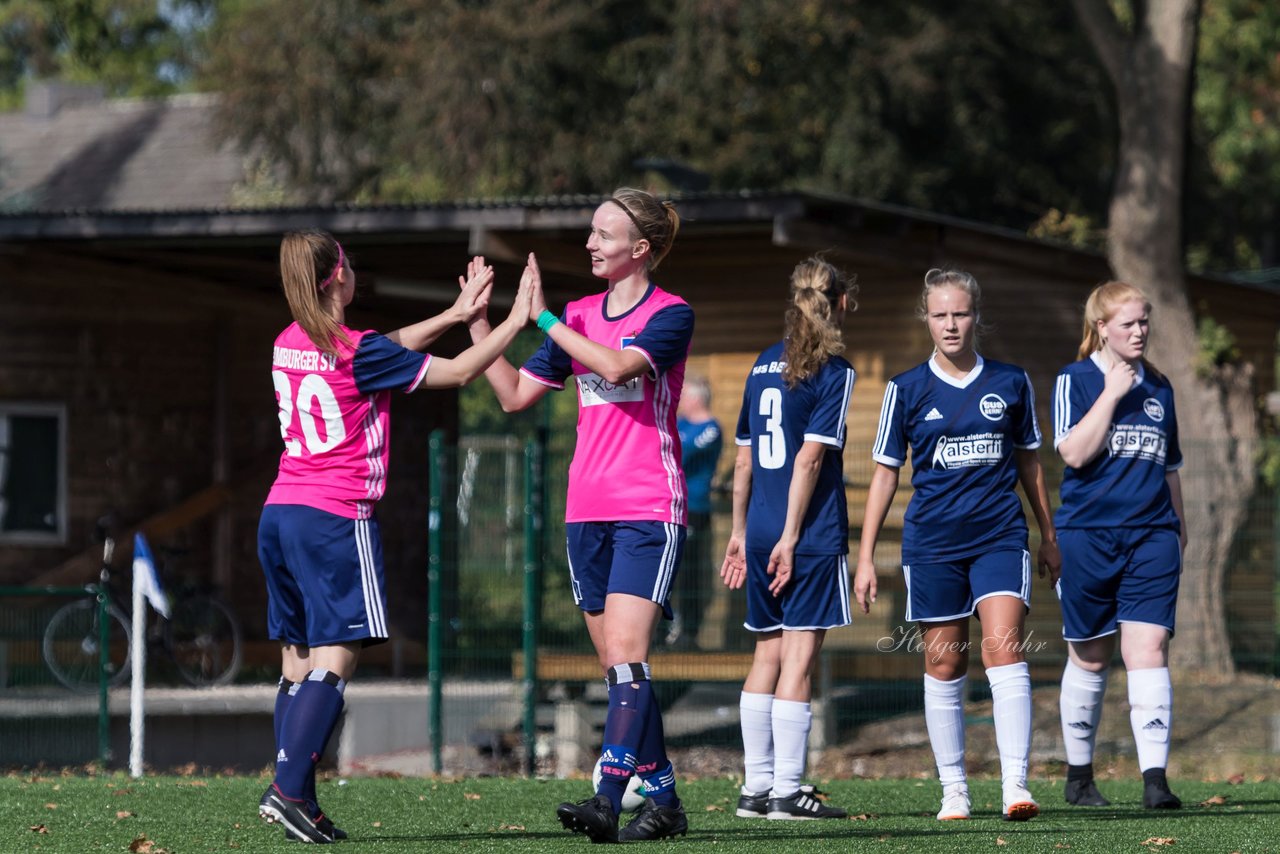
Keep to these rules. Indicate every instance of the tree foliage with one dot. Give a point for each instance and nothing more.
(996, 111)
(996, 114)
(1149, 53)
(1234, 202)
(130, 47)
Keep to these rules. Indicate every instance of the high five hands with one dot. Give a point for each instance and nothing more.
(476, 288)
(533, 276)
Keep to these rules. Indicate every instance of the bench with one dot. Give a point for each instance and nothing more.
(575, 727)
(576, 722)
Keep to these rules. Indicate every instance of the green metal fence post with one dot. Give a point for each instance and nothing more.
(435, 614)
(104, 666)
(534, 525)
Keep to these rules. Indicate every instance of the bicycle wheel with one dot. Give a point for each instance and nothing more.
(72, 640)
(203, 638)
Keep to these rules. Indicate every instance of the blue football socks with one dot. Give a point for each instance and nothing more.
(305, 730)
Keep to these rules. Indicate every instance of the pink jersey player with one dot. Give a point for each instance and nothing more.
(626, 507)
(318, 536)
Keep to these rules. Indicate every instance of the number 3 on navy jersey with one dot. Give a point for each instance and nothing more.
(312, 390)
(773, 443)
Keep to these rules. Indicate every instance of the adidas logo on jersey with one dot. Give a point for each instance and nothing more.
(934, 415)
(1156, 724)
(281, 757)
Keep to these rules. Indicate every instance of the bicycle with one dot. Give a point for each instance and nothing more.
(201, 636)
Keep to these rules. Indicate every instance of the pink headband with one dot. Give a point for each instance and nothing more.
(341, 260)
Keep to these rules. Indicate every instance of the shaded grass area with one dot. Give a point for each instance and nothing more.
(180, 814)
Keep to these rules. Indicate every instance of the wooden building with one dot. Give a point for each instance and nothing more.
(138, 341)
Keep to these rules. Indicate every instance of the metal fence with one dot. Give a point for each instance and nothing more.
(42, 722)
(509, 604)
(512, 680)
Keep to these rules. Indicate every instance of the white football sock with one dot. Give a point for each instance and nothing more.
(944, 718)
(1151, 715)
(1011, 708)
(755, 713)
(1080, 705)
(791, 722)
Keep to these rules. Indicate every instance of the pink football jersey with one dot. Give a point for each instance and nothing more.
(334, 418)
(626, 466)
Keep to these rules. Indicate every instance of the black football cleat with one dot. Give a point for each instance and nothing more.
(593, 817)
(326, 826)
(1156, 796)
(275, 808)
(1083, 793)
(753, 806)
(655, 821)
(802, 806)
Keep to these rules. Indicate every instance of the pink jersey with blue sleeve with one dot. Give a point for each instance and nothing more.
(626, 466)
(335, 417)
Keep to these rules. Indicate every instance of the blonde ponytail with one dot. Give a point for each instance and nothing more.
(309, 260)
(811, 326)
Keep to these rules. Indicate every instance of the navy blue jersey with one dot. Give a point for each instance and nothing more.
(961, 435)
(1124, 485)
(775, 421)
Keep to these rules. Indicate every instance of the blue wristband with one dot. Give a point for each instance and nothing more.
(546, 320)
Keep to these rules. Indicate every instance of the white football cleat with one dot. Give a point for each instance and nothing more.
(955, 803)
(1018, 803)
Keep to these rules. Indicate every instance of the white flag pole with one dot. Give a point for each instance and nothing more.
(138, 656)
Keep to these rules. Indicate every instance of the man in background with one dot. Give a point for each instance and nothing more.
(700, 443)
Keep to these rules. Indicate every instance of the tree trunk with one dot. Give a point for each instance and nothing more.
(1151, 69)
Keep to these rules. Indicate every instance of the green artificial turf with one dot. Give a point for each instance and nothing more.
(42, 812)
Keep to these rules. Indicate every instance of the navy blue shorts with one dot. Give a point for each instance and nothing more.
(937, 592)
(817, 597)
(1117, 575)
(324, 577)
(638, 558)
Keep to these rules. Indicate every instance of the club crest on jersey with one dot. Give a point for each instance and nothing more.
(992, 406)
(595, 390)
(1153, 408)
(976, 449)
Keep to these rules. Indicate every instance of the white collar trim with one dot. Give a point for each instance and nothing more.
(1096, 358)
(963, 382)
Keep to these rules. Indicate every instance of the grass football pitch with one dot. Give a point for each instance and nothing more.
(48, 812)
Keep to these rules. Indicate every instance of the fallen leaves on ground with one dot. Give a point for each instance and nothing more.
(39, 828)
(714, 808)
(1215, 801)
(1159, 840)
(124, 814)
(471, 796)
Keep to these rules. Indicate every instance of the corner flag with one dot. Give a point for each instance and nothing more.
(144, 575)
